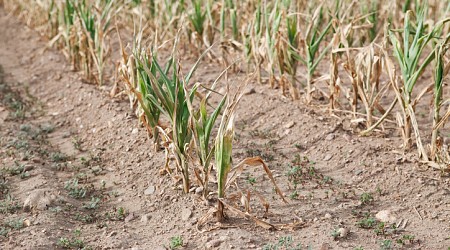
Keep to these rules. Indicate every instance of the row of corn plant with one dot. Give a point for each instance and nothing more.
(83, 28)
(278, 36)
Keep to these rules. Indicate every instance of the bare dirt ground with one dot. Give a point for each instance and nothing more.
(78, 172)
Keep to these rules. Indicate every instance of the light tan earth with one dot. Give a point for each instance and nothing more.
(344, 180)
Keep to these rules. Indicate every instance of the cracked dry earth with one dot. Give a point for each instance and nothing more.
(78, 171)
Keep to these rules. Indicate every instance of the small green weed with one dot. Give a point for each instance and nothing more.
(366, 223)
(176, 242)
(84, 218)
(74, 189)
(58, 157)
(93, 204)
(251, 180)
(9, 205)
(73, 242)
(116, 214)
(294, 195)
(386, 244)
(15, 223)
(286, 242)
(366, 198)
(4, 231)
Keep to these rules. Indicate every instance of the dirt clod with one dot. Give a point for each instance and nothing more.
(186, 214)
(385, 216)
(150, 190)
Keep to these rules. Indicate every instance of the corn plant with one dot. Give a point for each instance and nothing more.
(226, 173)
(143, 90)
(229, 7)
(170, 99)
(197, 19)
(223, 151)
(313, 38)
(95, 22)
(222, 24)
(288, 55)
(272, 22)
(202, 125)
(53, 19)
(70, 33)
(368, 71)
(415, 40)
(369, 10)
(210, 24)
(440, 71)
(256, 42)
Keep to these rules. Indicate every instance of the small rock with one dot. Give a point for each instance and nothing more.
(325, 246)
(385, 216)
(343, 232)
(213, 243)
(26, 222)
(199, 190)
(135, 131)
(112, 234)
(28, 168)
(328, 216)
(37, 160)
(150, 190)
(96, 169)
(289, 124)
(329, 137)
(328, 157)
(186, 214)
(145, 218)
(249, 91)
(129, 218)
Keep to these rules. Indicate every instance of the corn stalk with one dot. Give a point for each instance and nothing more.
(415, 40)
(440, 71)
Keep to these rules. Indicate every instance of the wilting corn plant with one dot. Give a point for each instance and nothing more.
(440, 71)
(256, 43)
(288, 54)
(197, 19)
(96, 21)
(137, 82)
(165, 17)
(229, 7)
(415, 40)
(226, 173)
(202, 125)
(315, 34)
(53, 19)
(170, 99)
(70, 34)
(370, 10)
(368, 71)
(211, 23)
(272, 24)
